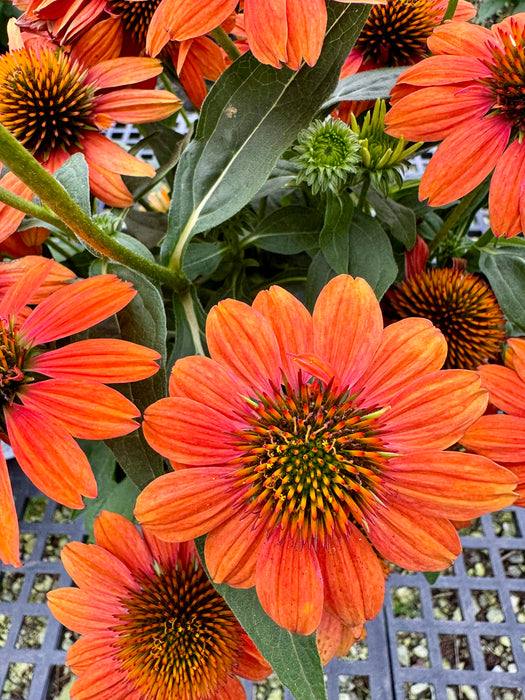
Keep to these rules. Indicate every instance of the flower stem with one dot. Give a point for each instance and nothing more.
(453, 218)
(32, 209)
(225, 42)
(451, 9)
(191, 317)
(43, 184)
(364, 193)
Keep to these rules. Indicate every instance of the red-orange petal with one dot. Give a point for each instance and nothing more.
(84, 651)
(127, 70)
(411, 348)
(498, 437)
(250, 663)
(80, 612)
(100, 151)
(97, 570)
(306, 29)
(413, 540)
(475, 484)
(353, 578)
(49, 456)
(24, 289)
(8, 518)
(240, 338)
(59, 315)
(289, 584)
(506, 389)
(445, 70)
(137, 106)
(109, 187)
(515, 356)
(10, 218)
(506, 187)
(88, 410)
(120, 537)
(348, 326)
(186, 504)
(106, 360)
(266, 29)
(460, 38)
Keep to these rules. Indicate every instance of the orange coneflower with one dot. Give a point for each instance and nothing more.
(56, 105)
(154, 627)
(461, 304)
(306, 444)
(469, 94)
(501, 436)
(40, 417)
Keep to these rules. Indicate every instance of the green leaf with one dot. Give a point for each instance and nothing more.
(251, 115)
(506, 273)
(148, 227)
(396, 218)
(184, 345)
(202, 258)
(432, 576)
(371, 255)
(369, 85)
(142, 321)
(319, 274)
(114, 495)
(74, 178)
(293, 657)
(134, 245)
(334, 240)
(289, 230)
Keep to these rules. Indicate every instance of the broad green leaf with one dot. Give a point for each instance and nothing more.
(142, 321)
(74, 178)
(432, 576)
(369, 85)
(319, 274)
(202, 258)
(371, 255)
(134, 245)
(252, 114)
(289, 230)
(293, 657)
(396, 218)
(334, 240)
(506, 273)
(148, 227)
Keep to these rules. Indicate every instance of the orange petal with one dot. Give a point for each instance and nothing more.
(475, 484)
(107, 360)
(434, 411)
(81, 654)
(348, 326)
(98, 571)
(231, 690)
(444, 70)
(190, 432)
(506, 389)
(109, 187)
(250, 664)
(464, 160)
(240, 338)
(80, 612)
(506, 187)
(59, 315)
(291, 322)
(137, 106)
(49, 456)
(102, 152)
(410, 349)
(411, 539)
(10, 218)
(353, 578)
(266, 28)
(24, 289)
(101, 42)
(306, 29)
(460, 38)
(515, 356)
(186, 504)
(11, 271)
(88, 410)
(120, 537)
(231, 550)
(123, 71)
(289, 584)
(8, 518)
(497, 437)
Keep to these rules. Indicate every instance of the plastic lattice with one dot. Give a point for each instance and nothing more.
(461, 638)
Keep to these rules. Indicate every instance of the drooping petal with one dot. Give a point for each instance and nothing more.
(251, 664)
(123, 71)
(49, 456)
(434, 411)
(240, 338)
(95, 569)
(498, 437)
(109, 187)
(474, 150)
(88, 410)
(291, 322)
(10, 218)
(12, 270)
(289, 584)
(190, 432)
(424, 543)
(506, 390)
(232, 549)
(8, 518)
(106, 360)
(24, 289)
(348, 326)
(137, 106)
(267, 30)
(120, 537)
(506, 187)
(353, 578)
(306, 29)
(475, 484)
(186, 504)
(101, 151)
(411, 348)
(231, 690)
(59, 315)
(515, 356)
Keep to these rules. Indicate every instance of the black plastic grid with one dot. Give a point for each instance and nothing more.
(462, 638)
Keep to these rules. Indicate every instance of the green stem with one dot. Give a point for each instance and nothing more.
(191, 316)
(363, 194)
(453, 218)
(31, 209)
(30, 172)
(227, 44)
(451, 9)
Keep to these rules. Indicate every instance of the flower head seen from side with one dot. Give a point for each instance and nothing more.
(50, 397)
(501, 436)
(56, 105)
(311, 447)
(153, 626)
(466, 96)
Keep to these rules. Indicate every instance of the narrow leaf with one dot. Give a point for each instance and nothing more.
(334, 240)
(506, 273)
